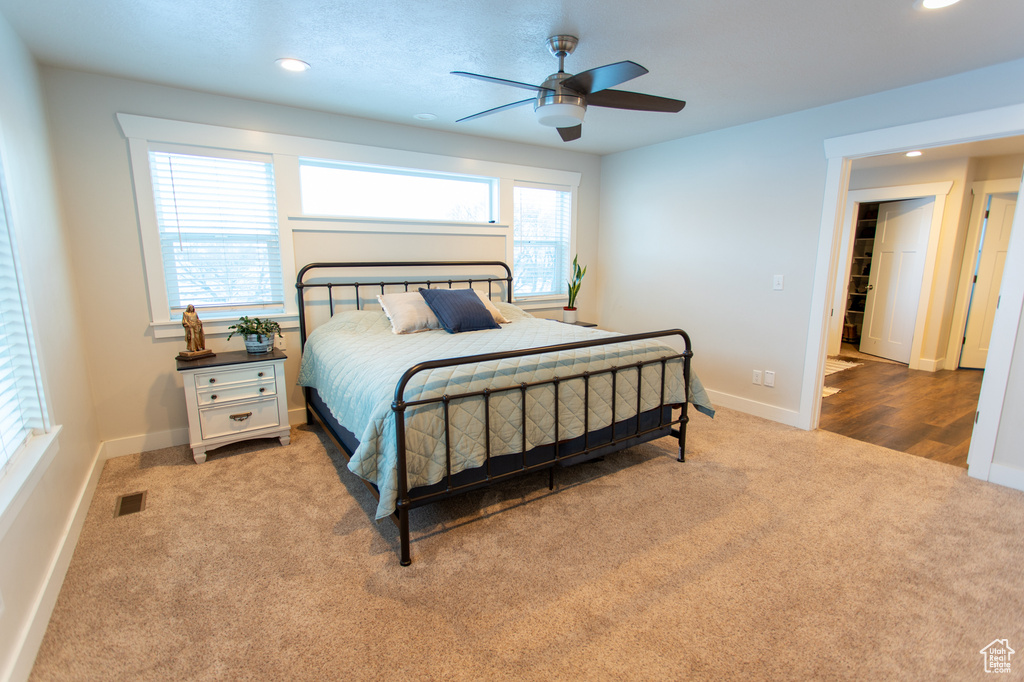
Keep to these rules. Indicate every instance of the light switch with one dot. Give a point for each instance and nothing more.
(777, 282)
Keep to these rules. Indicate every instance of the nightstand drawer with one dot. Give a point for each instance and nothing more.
(226, 392)
(238, 417)
(234, 396)
(233, 376)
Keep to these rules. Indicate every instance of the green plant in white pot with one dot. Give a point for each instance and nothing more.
(258, 334)
(569, 311)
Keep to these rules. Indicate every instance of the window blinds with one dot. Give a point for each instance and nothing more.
(20, 405)
(218, 231)
(543, 227)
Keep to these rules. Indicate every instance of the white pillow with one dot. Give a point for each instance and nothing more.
(408, 312)
(491, 308)
(512, 312)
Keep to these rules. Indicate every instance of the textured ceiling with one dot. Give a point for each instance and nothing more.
(733, 61)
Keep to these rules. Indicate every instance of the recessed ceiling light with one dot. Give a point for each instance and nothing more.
(913, 153)
(425, 117)
(292, 64)
(934, 4)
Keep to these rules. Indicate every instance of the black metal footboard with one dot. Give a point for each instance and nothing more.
(632, 433)
(639, 426)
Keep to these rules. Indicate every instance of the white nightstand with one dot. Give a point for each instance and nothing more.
(235, 396)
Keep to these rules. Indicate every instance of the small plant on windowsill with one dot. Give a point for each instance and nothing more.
(258, 334)
(569, 312)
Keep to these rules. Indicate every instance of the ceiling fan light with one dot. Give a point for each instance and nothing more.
(560, 115)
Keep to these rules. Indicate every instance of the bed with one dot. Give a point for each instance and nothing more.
(428, 415)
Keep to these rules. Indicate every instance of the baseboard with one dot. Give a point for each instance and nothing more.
(130, 445)
(42, 609)
(776, 414)
(1011, 477)
(296, 416)
(119, 447)
(931, 365)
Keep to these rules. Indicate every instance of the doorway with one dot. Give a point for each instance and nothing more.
(931, 207)
(930, 414)
(887, 264)
(988, 126)
(871, 394)
(989, 237)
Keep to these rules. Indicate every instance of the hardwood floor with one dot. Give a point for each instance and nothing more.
(930, 414)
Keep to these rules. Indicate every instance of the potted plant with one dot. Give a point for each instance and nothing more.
(258, 334)
(569, 312)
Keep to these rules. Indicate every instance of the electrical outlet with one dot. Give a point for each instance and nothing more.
(769, 378)
(279, 343)
(757, 377)
(777, 282)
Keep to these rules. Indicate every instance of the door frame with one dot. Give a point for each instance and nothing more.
(982, 191)
(840, 152)
(938, 191)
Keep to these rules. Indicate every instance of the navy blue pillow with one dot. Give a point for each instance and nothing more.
(459, 310)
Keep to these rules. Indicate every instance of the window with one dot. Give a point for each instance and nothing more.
(337, 189)
(21, 409)
(312, 189)
(218, 231)
(543, 232)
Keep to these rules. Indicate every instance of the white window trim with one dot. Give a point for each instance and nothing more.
(23, 474)
(545, 302)
(23, 471)
(286, 150)
(160, 317)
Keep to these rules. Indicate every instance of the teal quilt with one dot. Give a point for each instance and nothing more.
(354, 361)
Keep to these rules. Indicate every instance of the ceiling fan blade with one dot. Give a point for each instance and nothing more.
(621, 99)
(602, 77)
(570, 134)
(501, 81)
(497, 109)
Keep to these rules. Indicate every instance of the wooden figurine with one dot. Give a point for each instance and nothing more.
(195, 339)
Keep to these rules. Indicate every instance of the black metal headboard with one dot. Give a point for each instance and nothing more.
(302, 285)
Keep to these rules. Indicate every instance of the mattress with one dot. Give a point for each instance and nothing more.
(354, 361)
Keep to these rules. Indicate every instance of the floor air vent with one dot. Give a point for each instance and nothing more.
(129, 504)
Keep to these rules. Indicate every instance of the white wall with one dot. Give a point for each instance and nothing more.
(696, 228)
(999, 167)
(139, 400)
(41, 536)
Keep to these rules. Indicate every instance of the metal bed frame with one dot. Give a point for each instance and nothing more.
(645, 426)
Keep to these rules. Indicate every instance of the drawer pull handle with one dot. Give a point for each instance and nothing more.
(263, 389)
(213, 397)
(212, 380)
(241, 416)
(260, 374)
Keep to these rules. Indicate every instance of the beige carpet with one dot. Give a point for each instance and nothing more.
(771, 554)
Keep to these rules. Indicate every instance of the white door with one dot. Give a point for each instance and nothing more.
(894, 284)
(989, 274)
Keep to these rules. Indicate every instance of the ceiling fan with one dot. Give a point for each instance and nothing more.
(562, 100)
